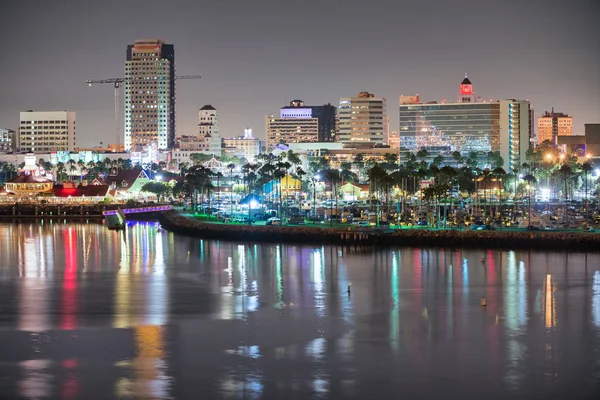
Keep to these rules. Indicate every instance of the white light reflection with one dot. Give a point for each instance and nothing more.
(159, 257)
(511, 300)
(316, 349)
(317, 268)
(522, 282)
(36, 379)
(514, 303)
(226, 306)
(596, 299)
(250, 387)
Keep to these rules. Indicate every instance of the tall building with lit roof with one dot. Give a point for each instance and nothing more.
(150, 95)
(363, 119)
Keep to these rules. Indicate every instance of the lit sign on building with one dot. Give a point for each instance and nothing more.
(295, 113)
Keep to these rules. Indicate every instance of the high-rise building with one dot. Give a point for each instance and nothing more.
(294, 125)
(150, 95)
(7, 140)
(245, 146)
(45, 131)
(362, 119)
(553, 124)
(325, 114)
(208, 129)
(442, 128)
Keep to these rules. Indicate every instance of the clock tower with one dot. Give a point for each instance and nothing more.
(466, 94)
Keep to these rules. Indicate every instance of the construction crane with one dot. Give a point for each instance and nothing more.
(117, 83)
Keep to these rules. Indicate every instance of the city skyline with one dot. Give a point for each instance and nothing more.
(546, 52)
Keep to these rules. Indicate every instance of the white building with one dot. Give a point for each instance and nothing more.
(295, 125)
(363, 119)
(7, 140)
(46, 131)
(245, 146)
(208, 129)
(150, 95)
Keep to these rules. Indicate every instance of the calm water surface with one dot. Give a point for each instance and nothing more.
(87, 313)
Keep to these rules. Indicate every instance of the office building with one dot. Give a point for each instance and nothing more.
(467, 126)
(193, 143)
(363, 119)
(553, 124)
(592, 140)
(7, 140)
(46, 131)
(149, 95)
(245, 146)
(325, 115)
(208, 129)
(294, 125)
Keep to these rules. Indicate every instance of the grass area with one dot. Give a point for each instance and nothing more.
(336, 225)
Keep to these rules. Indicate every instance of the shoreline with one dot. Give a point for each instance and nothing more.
(508, 240)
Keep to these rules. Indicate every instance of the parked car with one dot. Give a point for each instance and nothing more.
(273, 221)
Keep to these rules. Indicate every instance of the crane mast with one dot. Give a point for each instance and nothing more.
(117, 83)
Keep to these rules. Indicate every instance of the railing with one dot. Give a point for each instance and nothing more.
(138, 210)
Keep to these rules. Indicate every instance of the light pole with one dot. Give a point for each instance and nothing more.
(314, 180)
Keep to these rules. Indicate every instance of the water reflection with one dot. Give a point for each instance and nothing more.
(162, 315)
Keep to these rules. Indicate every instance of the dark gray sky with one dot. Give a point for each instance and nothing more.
(256, 55)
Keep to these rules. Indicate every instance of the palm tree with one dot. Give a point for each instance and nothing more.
(300, 174)
(457, 156)
(333, 176)
(60, 171)
(448, 176)
(566, 172)
(230, 167)
(198, 179)
(499, 173)
(377, 178)
(531, 180)
(81, 166)
(587, 168)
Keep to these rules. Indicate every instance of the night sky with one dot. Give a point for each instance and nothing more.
(257, 55)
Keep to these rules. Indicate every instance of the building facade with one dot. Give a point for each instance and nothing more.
(245, 146)
(325, 115)
(7, 140)
(551, 125)
(294, 125)
(363, 119)
(46, 131)
(467, 126)
(208, 129)
(150, 95)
